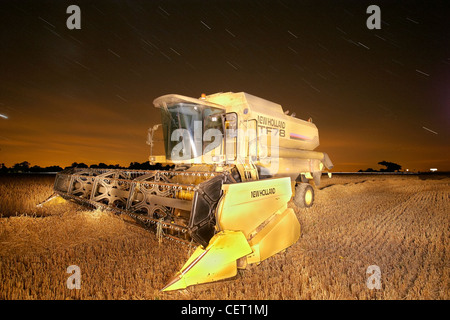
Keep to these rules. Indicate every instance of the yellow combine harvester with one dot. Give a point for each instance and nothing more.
(237, 161)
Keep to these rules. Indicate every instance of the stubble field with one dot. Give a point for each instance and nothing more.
(400, 224)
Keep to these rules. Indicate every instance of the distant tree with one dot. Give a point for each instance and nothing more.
(53, 169)
(22, 167)
(3, 168)
(159, 166)
(147, 166)
(97, 166)
(134, 165)
(390, 166)
(79, 165)
(36, 169)
(367, 170)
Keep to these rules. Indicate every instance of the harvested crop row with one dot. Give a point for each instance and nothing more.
(399, 224)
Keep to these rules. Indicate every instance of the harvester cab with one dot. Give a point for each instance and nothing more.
(237, 160)
(198, 132)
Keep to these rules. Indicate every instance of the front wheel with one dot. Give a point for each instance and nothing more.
(304, 195)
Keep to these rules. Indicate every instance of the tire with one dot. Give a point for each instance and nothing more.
(304, 195)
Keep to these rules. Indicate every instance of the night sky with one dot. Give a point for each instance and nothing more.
(86, 95)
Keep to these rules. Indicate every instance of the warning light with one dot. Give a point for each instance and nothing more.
(203, 96)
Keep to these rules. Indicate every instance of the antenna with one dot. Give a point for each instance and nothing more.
(150, 134)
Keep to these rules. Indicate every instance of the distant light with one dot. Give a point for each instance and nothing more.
(3, 116)
(433, 169)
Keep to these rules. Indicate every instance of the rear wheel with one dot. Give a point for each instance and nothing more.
(304, 195)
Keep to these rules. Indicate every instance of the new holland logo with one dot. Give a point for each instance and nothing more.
(263, 192)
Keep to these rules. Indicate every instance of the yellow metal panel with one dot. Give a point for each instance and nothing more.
(54, 199)
(215, 262)
(248, 204)
(280, 233)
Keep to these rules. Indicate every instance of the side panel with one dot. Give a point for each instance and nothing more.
(281, 232)
(247, 205)
(289, 167)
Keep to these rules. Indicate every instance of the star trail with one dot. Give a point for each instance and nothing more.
(86, 95)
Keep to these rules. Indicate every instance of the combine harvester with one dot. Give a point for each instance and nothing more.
(237, 161)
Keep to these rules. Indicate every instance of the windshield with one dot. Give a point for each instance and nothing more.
(186, 129)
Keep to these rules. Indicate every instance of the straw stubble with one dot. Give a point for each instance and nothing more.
(400, 224)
